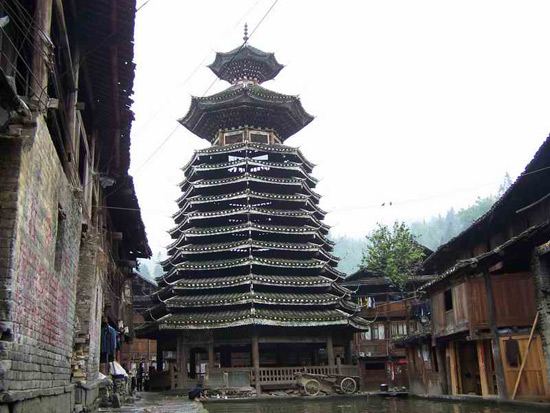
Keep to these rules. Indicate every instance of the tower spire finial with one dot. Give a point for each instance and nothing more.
(245, 38)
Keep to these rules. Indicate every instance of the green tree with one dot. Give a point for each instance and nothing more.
(393, 252)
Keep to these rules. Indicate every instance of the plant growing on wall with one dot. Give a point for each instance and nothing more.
(393, 252)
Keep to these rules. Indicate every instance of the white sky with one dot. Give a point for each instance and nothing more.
(426, 104)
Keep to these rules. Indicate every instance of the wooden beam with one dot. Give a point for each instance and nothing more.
(440, 356)
(181, 360)
(482, 368)
(454, 373)
(43, 25)
(160, 355)
(499, 368)
(256, 362)
(524, 356)
(330, 350)
(211, 356)
(82, 131)
(65, 49)
(115, 86)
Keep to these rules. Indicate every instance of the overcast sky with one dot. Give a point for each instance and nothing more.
(425, 104)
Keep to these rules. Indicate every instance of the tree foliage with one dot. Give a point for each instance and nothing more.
(393, 252)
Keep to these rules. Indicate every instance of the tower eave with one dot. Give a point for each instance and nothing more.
(233, 64)
(255, 107)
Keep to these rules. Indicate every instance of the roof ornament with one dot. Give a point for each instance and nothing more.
(245, 38)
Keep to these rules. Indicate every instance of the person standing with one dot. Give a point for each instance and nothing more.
(140, 377)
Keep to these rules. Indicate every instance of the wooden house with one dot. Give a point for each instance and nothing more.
(394, 315)
(492, 284)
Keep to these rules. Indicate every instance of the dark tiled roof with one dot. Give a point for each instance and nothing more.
(245, 61)
(539, 162)
(481, 259)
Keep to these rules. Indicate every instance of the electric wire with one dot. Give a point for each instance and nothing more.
(178, 125)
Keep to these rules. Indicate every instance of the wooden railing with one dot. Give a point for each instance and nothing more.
(386, 309)
(283, 375)
(374, 347)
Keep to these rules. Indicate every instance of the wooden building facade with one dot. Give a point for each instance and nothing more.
(490, 302)
(140, 350)
(394, 315)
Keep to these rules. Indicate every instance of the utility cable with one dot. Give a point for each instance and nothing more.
(178, 125)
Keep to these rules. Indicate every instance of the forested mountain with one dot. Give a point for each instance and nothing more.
(438, 230)
(431, 232)
(350, 252)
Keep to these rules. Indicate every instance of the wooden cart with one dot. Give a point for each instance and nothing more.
(312, 384)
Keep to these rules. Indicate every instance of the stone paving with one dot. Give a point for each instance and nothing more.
(160, 403)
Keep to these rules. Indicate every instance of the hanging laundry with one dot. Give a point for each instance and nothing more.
(109, 339)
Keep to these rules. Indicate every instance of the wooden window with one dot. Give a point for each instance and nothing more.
(378, 331)
(259, 137)
(448, 300)
(434, 360)
(366, 335)
(398, 328)
(233, 137)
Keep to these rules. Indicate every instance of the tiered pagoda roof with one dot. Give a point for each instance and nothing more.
(250, 247)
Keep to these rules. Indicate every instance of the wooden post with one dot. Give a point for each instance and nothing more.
(338, 365)
(43, 24)
(114, 85)
(482, 368)
(524, 357)
(211, 356)
(499, 368)
(160, 356)
(347, 353)
(315, 357)
(256, 362)
(181, 358)
(440, 356)
(454, 374)
(72, 143)
(330, 350)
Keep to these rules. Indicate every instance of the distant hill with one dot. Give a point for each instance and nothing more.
(431, 232)
(350, 252)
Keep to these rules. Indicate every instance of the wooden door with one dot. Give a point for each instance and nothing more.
(534, 383)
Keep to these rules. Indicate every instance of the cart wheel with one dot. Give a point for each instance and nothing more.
(348, 385)
(312, 387)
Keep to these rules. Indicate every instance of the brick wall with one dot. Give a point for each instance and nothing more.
(89, 309)
(41, 228)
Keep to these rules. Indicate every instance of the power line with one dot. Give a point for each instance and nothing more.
(196, 69)
(158, 148)
(242, 45)
(178, 125)
(143, 5)
(409, 201)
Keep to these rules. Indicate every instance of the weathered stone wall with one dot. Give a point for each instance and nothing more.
(89, 308)
(42, 214)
